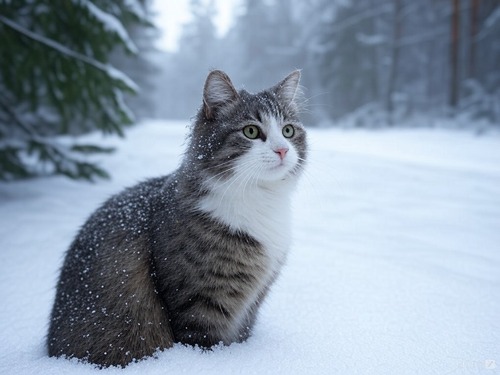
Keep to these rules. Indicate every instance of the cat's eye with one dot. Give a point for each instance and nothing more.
(251, 131)
(288, 131)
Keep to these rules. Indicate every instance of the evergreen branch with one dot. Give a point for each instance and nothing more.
(91, 149)
(111, 23)
(63, 162)
(108, 69)
(13, 115)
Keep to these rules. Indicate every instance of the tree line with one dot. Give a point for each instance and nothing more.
(376, 61)
(69, 68)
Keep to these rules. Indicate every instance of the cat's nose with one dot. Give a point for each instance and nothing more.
(281, 152)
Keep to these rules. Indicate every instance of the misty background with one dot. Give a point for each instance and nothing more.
(379, 61)
(98, 65)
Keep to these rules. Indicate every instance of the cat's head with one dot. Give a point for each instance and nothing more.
(254, 138)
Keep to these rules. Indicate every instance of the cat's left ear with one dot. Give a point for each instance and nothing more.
(288, 88)
(218, 92)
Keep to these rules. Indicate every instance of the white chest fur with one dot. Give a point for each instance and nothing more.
(261, 211)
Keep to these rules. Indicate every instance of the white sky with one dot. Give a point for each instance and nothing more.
(171, 15)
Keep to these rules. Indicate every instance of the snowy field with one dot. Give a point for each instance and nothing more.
(395, 267)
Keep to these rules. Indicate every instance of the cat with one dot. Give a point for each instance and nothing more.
(189, 257)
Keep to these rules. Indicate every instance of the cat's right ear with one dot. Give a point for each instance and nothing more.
(218, 92)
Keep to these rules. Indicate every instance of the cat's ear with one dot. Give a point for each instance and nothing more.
(288, 88)
(218, 91)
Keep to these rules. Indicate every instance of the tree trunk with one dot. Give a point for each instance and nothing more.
(472, 38)
(454, 53)
(374, 83)
(393, 70)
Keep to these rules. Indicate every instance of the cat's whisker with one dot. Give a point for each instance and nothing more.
(231, 161)
(316, 170)
(226, 170)
(221, 174)
(256, 179)
(252, 178)
(234, 180)
(243, 164)
(250, 174)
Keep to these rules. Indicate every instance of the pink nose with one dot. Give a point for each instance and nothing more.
(281, 152)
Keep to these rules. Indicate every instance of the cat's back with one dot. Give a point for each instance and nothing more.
(106, 293)
(129, 212)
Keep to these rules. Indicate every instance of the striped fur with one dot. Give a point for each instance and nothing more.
(188, 257)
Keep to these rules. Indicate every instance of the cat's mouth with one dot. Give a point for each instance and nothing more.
(279, 165)
(279, 171)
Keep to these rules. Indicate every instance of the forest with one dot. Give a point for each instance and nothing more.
(379, 60)
(93, 65)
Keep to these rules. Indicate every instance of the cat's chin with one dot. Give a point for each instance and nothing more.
(277, 174)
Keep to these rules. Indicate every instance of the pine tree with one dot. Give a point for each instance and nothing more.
(55, 79)
(141, 67)
(346, 54)
(197, 54)
(267, 42)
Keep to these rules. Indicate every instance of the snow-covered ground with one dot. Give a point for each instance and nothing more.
(395, 267)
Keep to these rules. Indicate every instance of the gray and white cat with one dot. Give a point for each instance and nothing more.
(189, 257)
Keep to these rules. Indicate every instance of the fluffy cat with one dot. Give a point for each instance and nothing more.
(189, 257)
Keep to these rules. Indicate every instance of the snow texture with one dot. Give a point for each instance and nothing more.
(394, 268)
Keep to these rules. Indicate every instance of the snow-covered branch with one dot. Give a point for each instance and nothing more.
(106, 68)
(110, 23)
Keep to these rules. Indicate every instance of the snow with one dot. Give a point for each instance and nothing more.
(110, 23)
(394, 268)
(120, 76)
(136, 8)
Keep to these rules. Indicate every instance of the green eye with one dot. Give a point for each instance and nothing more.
(288, 131)
(251, 131)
